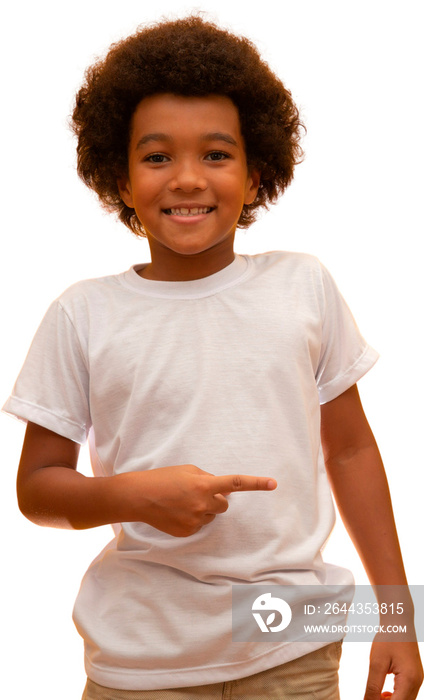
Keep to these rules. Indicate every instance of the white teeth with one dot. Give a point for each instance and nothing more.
(183, 211)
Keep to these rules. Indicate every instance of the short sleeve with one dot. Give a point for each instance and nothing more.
(52, 387)
(345, 355)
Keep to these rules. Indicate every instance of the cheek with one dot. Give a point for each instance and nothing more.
(145, 193)
(232, 187)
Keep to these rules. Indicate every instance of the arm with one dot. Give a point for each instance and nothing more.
(178, 500)
(360, 489)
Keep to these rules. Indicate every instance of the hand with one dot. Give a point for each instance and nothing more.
(400, 658)
(180, 500)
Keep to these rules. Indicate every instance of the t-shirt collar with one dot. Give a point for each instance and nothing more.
(191, 289)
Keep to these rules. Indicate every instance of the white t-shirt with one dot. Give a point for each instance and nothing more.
(227, 373)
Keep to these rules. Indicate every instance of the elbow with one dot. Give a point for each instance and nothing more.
(29, 507)
(35, 508)
(24, 503)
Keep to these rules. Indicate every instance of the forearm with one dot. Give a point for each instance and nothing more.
(360, 488)
(361, 491)
(64, 498)
(362, 495)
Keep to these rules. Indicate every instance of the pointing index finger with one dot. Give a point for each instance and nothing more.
(243, 482)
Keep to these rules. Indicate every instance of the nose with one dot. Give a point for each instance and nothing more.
(188, 176)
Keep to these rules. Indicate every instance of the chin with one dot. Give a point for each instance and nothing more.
(192, 248)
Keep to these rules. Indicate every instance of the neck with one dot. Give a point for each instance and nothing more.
(182, 268)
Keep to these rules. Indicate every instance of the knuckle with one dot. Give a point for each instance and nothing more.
(190, 530)
(193, 523)
(237, 482)
(188, 533)
(204, 485)
(199, 509)
(220, 504)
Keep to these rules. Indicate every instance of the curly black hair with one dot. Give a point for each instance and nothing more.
(187, 57)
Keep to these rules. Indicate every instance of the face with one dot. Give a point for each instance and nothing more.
(187, 182)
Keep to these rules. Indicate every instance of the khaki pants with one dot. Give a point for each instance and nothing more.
(313, 676)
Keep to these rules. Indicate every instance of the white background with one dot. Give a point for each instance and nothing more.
(355, 69)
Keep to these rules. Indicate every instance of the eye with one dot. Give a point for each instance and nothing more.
(156, 158)
(217, 156)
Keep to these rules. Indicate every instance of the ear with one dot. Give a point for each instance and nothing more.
(125, 190)
(252, 186)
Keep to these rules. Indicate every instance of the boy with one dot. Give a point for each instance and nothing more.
(196, 376)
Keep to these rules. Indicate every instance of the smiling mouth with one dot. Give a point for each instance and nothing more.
(184, 211)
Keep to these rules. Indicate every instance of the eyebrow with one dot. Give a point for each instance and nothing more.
(220, 136)
(213, 136)
(152, 137)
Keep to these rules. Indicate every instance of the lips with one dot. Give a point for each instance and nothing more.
(188, 211)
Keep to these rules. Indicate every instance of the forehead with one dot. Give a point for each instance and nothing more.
(168, 114)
